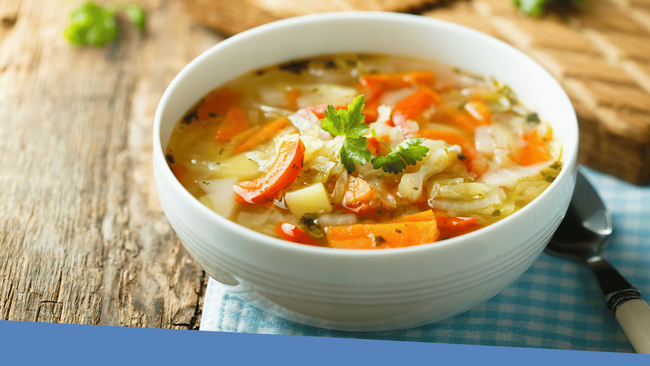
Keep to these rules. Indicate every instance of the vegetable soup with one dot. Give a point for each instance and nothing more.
(363, 151)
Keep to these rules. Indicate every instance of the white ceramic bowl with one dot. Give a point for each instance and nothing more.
(355, 289)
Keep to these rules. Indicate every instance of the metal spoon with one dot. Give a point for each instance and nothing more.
(584, 231)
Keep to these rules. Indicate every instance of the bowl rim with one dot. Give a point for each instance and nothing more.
(305, 21)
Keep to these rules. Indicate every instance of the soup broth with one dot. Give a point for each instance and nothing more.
(363, 151)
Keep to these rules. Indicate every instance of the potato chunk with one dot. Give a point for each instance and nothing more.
(221, 195)
(307, 200)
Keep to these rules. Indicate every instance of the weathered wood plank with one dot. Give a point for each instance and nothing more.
(235, 16)
(82, 236)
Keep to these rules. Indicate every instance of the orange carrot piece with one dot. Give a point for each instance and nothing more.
(384, 235)
(535, 150)
(233, 123)
(179, 171)
(474, 160)
(376, 148)
(284, 171)
(399, 80)
(217, 103)
(372, 90)
(376, 85)
(370, 111)
(294, 234)
(420, 216)
(292, 98)
(264, 134)
(456, 117)
(455, 226)
(420, 77)
(533, 154)
(358, 196)
(411, 106)
(479, 112)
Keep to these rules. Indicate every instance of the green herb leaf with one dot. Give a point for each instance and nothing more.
(537, 8)
(136, 16)
(532, 7)
(408, 152)
(348, 123)
(92, 25)
(351, 124)
(354, 149)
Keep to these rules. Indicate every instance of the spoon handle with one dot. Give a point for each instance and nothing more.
(632, 313)
(634, 318)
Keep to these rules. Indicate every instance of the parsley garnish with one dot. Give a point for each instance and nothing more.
(408, 152)
(350, 124)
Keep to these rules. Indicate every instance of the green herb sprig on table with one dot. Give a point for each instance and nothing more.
(537, 8)
(136, 16)
(351, 124)
(94, 25)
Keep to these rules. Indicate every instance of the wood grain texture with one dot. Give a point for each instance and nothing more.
(83, 238)
(235, 16)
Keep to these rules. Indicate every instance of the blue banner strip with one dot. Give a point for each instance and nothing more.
(25, 343)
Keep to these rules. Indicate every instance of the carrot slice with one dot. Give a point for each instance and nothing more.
(217, 103)
(420, 77)
(479, 112)
(292, 98)
(420, 216)
(294, 234)
(535, 150)
(372, 90)
(474, 160)
(233, 123)
(455, 226)
(456, 117)
(284, 171)
(264, 134)
(411, 106)
(376, 85)
(376, 148)
(370, 111)
(384, 235)
(179, 171)
(358, 196)
(449, 227)
(399, 80)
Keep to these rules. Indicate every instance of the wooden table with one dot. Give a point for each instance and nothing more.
(83, 238)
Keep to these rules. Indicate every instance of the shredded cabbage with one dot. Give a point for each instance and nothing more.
(337, 219)
(510, 177)
(326, 94)
(410, 186)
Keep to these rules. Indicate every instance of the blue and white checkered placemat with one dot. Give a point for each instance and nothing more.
(555, 304)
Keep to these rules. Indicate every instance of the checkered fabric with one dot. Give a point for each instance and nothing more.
(555, 304)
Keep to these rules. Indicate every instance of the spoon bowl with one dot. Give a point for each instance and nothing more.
(586, 227)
